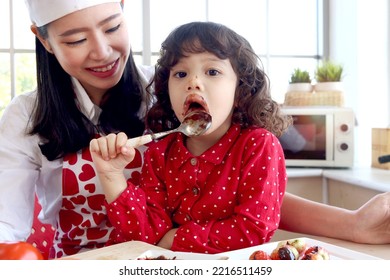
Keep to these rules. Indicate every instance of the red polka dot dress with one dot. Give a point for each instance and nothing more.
(225, 199)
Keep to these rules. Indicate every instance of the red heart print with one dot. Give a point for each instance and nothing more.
(73, 247)
(95, 202)
(67, 204)
(77, 231)
(70, 185)
(86, 154)
(68, 219)
(96, 233)
(71, 158)
(86, 224)
(85, 211)
(98, 218)
(91, 188)
(87, 172)
(78, 199)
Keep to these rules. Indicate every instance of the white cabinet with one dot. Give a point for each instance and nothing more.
(347, 188)
(307, 187)
(348, 196)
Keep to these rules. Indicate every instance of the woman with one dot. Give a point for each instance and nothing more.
(88, 84)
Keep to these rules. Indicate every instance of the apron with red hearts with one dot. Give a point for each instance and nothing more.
(82, 220)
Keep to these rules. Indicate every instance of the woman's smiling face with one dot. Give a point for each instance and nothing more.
(91, 45)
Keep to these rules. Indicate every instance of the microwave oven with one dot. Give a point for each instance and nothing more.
(319, 137)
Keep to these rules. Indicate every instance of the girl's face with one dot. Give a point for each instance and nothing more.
(91, 45)
(206, 80)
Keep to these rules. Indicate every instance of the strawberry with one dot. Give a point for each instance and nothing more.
(259, 255)
(315, 253)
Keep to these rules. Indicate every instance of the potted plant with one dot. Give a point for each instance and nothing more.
(300, 80)
(328, 75)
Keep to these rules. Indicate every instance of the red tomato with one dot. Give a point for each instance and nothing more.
(19, 250)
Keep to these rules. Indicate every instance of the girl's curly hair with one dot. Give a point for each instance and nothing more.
(254, 105)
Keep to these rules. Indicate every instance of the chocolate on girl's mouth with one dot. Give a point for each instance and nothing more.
(194, 102)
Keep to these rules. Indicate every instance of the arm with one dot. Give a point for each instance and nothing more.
(368, 224)
(139, 212)
(19, 170)
(167, 240)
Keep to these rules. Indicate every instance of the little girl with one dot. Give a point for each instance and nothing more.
(216, 192)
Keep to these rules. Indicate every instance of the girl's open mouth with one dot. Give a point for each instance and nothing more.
(194, 102)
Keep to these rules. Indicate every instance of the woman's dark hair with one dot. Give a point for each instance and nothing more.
(59, 122)
(254, 105)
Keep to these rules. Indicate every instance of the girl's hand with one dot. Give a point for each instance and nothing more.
(110, 153)
(110, 156)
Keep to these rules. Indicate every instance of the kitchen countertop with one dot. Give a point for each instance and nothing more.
(371, 178)
(366, 177)
(133, 249)
(304, 172)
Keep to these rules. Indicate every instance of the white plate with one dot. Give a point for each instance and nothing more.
(180, 255)
(335, 252)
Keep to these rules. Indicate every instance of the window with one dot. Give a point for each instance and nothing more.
(270, 26)
(284, 33)
(17, 57)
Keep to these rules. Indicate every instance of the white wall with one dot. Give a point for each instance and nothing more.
(359, 39)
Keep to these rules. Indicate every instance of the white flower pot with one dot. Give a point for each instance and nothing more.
(300, 87)
(329, 86)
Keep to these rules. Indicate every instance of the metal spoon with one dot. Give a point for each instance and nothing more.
(194, 123)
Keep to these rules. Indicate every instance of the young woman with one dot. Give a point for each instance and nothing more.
(88, 85)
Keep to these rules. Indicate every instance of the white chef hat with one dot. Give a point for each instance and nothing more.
(44, 11)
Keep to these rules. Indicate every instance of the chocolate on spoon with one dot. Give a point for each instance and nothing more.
(195, 123)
